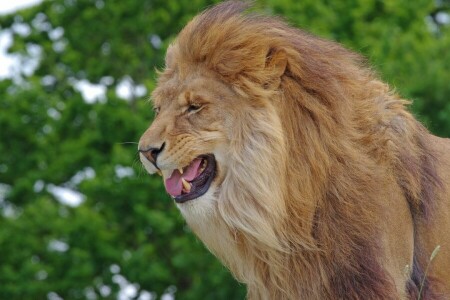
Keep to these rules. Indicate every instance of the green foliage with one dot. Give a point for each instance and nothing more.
(126, 225)
(400, 39)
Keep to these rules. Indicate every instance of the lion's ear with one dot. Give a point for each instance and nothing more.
(276, 63)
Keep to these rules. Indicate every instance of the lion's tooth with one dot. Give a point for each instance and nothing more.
(186, 185)
(180, 170)
(159, 172)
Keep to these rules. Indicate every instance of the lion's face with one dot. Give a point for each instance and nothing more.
(218, 150)
(189, 138)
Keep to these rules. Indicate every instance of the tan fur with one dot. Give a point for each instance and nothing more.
(327, 187)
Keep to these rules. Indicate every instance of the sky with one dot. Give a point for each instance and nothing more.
(9, 6)
(9, 63)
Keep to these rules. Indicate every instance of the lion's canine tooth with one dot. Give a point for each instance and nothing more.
(180, 170)
(159, 172)
(186, 185)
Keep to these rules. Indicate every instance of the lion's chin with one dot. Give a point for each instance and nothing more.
(195, 212)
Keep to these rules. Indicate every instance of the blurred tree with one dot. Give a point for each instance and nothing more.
(408, 42)
(126, 239)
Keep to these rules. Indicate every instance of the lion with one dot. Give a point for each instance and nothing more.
(296, 165)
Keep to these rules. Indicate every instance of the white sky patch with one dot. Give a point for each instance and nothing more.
(114, 269)
(144, 295)
(56, 34)
(443, 17)
(107, 80)
(48, 80)
(65, 195)
(129, 290)
(4, 190)
(127, 90)
(53, 113)
(38, 186)
(155, 40)
(122, 172)
(10, 6)
(7, 209)
(31, 62)
(10, 62)
(21, 29)
(90, 294)
(41, 23)
(57, 246)
(91, 92)
(12, 65)
(41, 275)
(85, 174)
(105, 290)
(53, 296)
(169, 294)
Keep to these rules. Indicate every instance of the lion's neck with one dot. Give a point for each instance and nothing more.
(328, 234)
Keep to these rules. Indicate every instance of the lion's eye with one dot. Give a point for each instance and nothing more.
(193, 107)
(156, 110)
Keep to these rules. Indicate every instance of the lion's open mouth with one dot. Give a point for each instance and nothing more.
(193, 180)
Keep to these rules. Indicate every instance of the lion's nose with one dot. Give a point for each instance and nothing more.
(151, 153)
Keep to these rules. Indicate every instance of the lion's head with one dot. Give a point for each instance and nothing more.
(266, 147)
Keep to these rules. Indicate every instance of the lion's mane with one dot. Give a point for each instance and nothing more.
(311, 154)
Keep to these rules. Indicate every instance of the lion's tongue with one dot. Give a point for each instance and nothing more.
(173, 184)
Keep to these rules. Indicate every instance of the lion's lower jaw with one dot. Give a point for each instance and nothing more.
(199, 209)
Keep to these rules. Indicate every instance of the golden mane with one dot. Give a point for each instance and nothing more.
(324, 138)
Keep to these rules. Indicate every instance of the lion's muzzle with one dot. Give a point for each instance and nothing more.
(151, 153)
